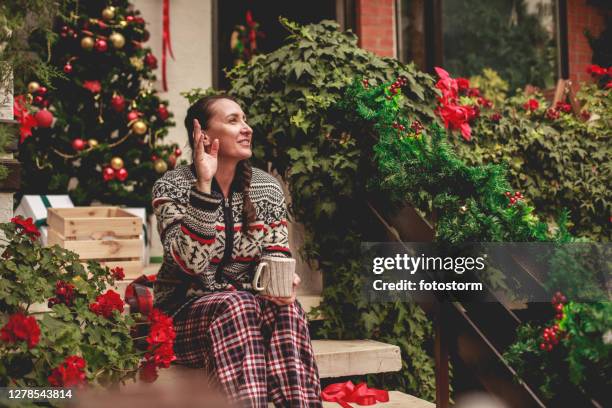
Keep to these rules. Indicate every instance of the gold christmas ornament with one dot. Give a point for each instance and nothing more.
(93, 143)
(87, 43)
(137, 63)
(139, 127)
(117, 39)
(33, 87)
(123, 24)
(108, 13)
(116, 163)
(160, 166)
(463, 209)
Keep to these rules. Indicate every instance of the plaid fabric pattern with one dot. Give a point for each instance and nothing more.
(256, 350)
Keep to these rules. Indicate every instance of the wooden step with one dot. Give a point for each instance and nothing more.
(397, 399)
(340, 358)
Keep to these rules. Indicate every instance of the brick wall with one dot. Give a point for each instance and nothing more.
(376, 26)
(579, 17)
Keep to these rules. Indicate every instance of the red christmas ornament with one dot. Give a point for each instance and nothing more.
(78, 144)
(172, 161)
(151, 61)
(101, 45)
(38, 100)
(162, 112)
(42, 90)
(121, 174)
(118, 103)
(132, 115)
(154, 157)
(108, 173)
(129, 19)
(177, 152)
(43, 118)
(68, 68)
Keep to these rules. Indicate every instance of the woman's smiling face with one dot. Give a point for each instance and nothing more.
(228, 124)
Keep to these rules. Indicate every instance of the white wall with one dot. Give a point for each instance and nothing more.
(191, 35)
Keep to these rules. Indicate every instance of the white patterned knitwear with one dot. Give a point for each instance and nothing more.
(194, 226)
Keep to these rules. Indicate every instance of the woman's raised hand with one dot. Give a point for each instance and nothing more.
(205, 162)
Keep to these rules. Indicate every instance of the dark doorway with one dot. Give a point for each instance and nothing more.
(230, 13)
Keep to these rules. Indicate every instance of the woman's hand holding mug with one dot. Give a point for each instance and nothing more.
(205, 161)
(285, 300)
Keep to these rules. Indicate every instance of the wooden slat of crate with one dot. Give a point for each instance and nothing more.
(94, 222)
(99, 249)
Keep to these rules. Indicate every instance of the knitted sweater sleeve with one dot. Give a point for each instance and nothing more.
(187, 230)
(276, 238)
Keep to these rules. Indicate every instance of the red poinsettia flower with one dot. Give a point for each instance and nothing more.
(105, 304)
(474, 92)
(457, 117)
(446, 84)
(21, 328)
(26, 226)
(463, 84)
(596, 70)
(70, 373)
(23, 116)
(563, 107)
(531, 105)
(117, 273)
(92, 86)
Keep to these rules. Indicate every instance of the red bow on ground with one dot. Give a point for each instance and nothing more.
(343, 393)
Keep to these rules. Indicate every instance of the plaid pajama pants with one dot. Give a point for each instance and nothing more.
(256, 350)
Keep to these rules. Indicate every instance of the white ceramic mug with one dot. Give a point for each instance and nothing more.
(274, 276)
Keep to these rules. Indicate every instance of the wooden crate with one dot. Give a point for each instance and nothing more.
(108, 235)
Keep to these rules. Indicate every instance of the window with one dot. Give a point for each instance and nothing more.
(516, 38)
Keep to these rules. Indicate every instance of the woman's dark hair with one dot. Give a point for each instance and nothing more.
(202, 111)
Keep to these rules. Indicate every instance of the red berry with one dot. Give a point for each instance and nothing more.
(559, 316)
(549, 347)
(512, 200)
(38, 100)
(402, 127)
(563, 299)
(177, 152)
(556, 327)
(558, 294)
(517, 193)
(154, 157)
(394, 125)
(68, 68)
(508, 194)
(542, 346)
(559, 307)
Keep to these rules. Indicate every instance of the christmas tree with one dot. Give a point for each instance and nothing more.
(95, 132)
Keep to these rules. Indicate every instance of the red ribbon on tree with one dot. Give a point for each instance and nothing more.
(343, 393)
(166, 43)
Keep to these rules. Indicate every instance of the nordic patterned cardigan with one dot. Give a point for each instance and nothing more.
(205, 246)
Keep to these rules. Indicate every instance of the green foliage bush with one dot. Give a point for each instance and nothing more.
(556, 163)
(28, 277)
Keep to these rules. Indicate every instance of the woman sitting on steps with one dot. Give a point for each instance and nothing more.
(216, 219)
